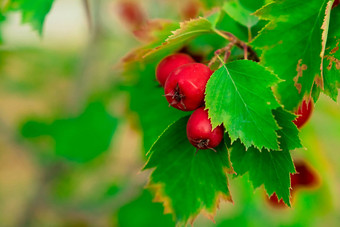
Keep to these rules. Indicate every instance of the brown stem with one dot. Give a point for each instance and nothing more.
(251, 54)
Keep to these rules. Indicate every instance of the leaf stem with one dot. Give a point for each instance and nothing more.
(251, 54)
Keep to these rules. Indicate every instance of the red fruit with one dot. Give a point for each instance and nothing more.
(304, 112)
(335, 3)
(305, 176)
(185, 87)
(168, 64)
(200, 133)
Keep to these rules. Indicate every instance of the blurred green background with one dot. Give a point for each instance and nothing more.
(71, 150)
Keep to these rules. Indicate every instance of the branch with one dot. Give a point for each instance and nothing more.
(249, 52)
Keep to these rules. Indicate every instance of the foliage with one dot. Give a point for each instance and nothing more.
(185, 181)
(296, 36)
(267, 57)
(33, 12)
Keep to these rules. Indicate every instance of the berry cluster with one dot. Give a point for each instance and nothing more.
(184, 82)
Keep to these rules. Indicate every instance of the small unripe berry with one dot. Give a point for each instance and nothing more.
(170, 63)
(304, 112)
(185, 87)
(200, 133)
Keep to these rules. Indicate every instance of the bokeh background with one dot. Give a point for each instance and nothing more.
(71, 149)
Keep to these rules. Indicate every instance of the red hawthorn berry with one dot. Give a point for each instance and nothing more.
(200, 133)
(169, 64)
(304, 112)
(184, 89)
(335, 3)
(305, 177)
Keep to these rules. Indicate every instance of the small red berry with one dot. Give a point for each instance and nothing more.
(200, 133)
(185, 87)
(335, 3)
(306, 177)
(304, 112)
(168, 64)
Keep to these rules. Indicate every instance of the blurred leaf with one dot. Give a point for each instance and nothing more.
(78, 139)
(113, 189)
(188, 30)
(155, 32)
(187, 183)
(35, 128)
(148, 102)
(142, 212)
(238, 95)
(239, 13)
(211, 3)
(205, 45)
(228, 24)
(300, 50)
(2, 19)
(331, 64)
(33, 12)
(83, 138)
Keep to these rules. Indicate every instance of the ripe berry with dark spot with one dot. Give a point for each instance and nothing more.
(185, 87)
(304, 112)
(200, 133)
(169, 64)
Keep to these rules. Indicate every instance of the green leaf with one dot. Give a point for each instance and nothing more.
(331, 64)
(142, 212)
(239, 96)
(33, 12)
(226, 23)
(253, 5)
(147, 100)
(270, 168)
(288, 133)
(240, 13)
(188, 30)
(185, 182)
(292, 45)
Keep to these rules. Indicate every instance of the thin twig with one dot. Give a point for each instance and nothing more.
(251, 54)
